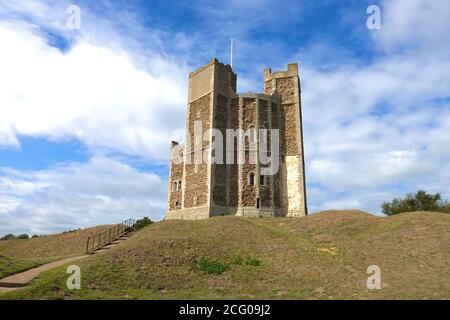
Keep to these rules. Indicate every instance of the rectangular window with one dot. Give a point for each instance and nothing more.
(251, 179)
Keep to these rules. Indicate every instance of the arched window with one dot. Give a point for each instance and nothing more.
(174, 186)
(251, 179)
(179, 185)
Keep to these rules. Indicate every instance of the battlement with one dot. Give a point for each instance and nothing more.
(213, 61)
(292, 71)
(212, 76)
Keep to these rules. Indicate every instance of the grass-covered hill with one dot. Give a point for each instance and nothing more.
(322, 256)
(21, 254)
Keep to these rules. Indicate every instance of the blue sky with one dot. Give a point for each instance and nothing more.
(86, 115)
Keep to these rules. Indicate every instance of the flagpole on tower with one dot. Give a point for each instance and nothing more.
(231, 52)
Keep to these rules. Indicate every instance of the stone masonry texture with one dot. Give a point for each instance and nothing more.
(207, 189)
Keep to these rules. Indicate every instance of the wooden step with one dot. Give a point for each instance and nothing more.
(127, 232)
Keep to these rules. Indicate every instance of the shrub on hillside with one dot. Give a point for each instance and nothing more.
(12, 237)
(212, 267)
(70, 231)
(421, 201)
(142, 223)
(8, 237)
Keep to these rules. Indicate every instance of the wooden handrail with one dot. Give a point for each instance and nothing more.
(95, 242)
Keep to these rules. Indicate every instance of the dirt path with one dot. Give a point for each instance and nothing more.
(21, 279)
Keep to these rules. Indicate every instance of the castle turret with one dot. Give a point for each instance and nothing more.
(287, 85)
(204, 185)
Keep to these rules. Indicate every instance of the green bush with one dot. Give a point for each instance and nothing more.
(421, 201)
(8, 237)
(212, 267)
(70, 231)
(239, 261)
(12, 237)
(142, 223)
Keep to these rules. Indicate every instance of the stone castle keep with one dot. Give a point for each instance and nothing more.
(198, 191)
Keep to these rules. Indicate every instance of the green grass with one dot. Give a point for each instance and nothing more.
(212, 267)
(322, 256)
(10, 266)
(252, 262)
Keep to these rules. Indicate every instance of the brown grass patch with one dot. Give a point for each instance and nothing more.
(57, 245)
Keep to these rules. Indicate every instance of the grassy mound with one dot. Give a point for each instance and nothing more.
(51, 246)
(322, 256)
(20, 254)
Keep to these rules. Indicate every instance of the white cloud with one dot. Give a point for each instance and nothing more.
(95, 93)
(415, 24)
(77, 195)
(378, 130)
(7, 136)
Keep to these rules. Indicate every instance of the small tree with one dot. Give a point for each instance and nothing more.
(421, 201)
(23, 236)
(142, 223)
(8, 237)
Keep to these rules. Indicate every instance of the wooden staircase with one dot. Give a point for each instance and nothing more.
(107, 239)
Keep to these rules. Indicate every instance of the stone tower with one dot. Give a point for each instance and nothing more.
(287, 85)
(200, 187)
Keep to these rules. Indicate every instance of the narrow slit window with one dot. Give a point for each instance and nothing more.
(251, 179)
